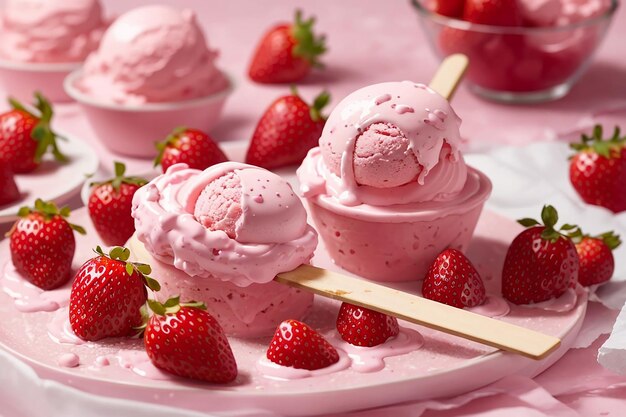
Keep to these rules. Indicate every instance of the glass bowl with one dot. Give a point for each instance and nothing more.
(517, 64)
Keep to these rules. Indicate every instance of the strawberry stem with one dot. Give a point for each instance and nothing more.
(120, 169)
(308, 46)
(42, 133)
(122, 254)
(48, 209)
(550, 217)
(596, 143)
(170, 140)
(172, 306)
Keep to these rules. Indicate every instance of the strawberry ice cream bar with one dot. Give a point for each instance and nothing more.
(221, 236)
(388, 187)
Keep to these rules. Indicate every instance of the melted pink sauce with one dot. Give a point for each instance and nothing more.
(68, 360)
(272, 370)
(29, 298)
(562, 304)
(138, 362)
(494, 306)
(60, 329)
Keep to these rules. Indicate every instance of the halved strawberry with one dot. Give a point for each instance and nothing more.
(185, 340)
(298, 346)
(361, 326)
(453, 280)
(108, 295)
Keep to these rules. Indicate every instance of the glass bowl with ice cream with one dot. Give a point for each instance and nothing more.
(221, 236)
(153, 71)
(388, 188)
(42, 41)
(528, 51)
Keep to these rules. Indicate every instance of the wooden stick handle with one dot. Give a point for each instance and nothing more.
(422, 311)
(449, 75)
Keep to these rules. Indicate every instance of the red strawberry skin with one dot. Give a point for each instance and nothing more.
(453, 280)
(599, 180)
(9, 192)
(273, 61)
(537, 269)
(110, 212)
(492, 12)
(42, 250)
(17, 147)
(298, 346)
(190, 343)
(284, 135)
(361, 326)
(105, 300)
(596, 261)
(192, 147)
(450, 8)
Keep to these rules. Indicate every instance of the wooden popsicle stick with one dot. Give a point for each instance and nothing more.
(449, 75)
(422, 311)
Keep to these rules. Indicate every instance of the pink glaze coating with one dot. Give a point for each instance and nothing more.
(276, 235)
(152, 54)
(419, 122)
(47, 31)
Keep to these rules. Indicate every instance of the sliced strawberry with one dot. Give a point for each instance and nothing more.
(108, 295)
(361, 326)
(42, 244)
(287, 131)
(185, 340)
(542, 262)
(453, 280)
(287, 52)
(598, 170)
(110, 204)
(190, 146)
(596, 258)
(25, 136)
(298, 346)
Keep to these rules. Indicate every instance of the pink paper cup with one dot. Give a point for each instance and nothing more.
(133, 130)
(252, 311)
(22, 79)
(395, 244)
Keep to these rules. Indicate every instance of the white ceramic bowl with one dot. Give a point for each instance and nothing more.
(22, 79)
(133, 129)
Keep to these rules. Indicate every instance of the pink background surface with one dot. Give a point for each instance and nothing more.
(381, 41)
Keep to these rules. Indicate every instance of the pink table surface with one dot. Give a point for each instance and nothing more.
(380, 41)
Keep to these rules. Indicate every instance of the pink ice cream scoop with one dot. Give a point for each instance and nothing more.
(221, 236)
(387, 186)
(152, 54)
(48, 31)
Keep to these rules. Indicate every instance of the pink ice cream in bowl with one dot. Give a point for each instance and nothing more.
(152, 72)
(221, 236)
(42, 41)
(388, 188)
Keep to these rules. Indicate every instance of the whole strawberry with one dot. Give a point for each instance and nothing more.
(361, 326)
(110, 204)
(596, 258)
(190, 146)
(492, 12)
(26, 136)
(298, 346)
(287, 52)
(185, 340)
(108, 295)
(453, 280)
(598, 170)
(8, 188)
(42, 244)
(287, 131)
(542, 262)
